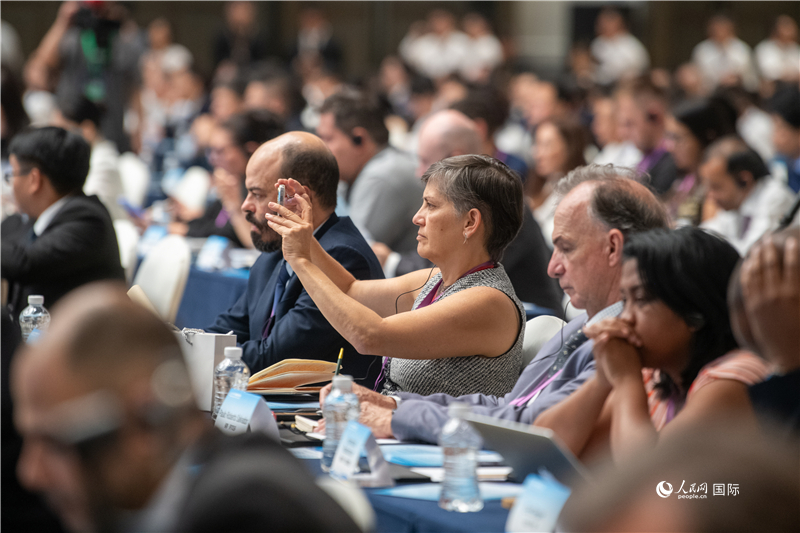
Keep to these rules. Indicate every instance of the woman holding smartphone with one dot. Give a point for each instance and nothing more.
(456, 328)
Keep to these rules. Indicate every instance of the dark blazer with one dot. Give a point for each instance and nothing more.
(250, 483)
(300, 331)
(525, 261)
(662, 174)
(77, 247)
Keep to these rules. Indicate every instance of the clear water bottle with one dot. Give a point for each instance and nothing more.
(231, 373)
(341, 406)
(460, 444)
(34, 319)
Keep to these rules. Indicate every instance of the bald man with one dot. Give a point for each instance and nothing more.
(449, 133)
(275, 318)
(113, 440)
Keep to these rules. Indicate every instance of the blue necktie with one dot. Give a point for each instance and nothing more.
(280, 287)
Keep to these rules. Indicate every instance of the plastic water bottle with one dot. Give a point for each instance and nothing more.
(34, 319)
(460, 444)
(231, 373)
(341, 406)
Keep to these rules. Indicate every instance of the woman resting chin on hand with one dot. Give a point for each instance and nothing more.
(670, 358)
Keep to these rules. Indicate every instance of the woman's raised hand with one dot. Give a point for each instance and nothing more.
(296, 227)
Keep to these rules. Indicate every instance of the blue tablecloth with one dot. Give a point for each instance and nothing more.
(403, 515)
(208, 294)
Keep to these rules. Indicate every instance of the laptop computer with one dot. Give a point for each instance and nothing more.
(528, 449)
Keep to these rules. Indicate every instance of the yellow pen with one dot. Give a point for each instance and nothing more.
(339, 362)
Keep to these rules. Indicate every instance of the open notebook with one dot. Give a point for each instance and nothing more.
(292, 376)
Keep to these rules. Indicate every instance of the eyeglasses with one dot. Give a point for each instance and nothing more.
(8, 175)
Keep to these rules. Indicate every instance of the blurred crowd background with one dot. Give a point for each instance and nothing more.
(551, 85)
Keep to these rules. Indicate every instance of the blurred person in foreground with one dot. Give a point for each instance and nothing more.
(750, 201)
(275, 318)
(61, 238)
(114, 441)
(670, 358)
(765, 304)
(449, 133)
(601, 207)
(457, 328)
(378, 188)
(739, 481)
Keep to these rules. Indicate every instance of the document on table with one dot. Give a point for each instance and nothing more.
(429, 455)
(485, 473)
(432, 491)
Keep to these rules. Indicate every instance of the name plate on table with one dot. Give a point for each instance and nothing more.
(241, 410)
(355, 440)
(539, 505)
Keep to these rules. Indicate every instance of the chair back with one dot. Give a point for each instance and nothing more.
(128, 241)
(135, 178)
(163, 274)
(538, 331)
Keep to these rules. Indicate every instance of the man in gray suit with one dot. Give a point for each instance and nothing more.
(600, 206)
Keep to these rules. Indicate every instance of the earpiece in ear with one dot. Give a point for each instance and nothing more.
(357, 140)
(695, 320)
(740, 182)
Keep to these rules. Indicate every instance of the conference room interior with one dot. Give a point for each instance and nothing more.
(580, 219)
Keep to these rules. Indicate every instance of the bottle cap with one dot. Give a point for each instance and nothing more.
(233, 352)
(343, 383)
(35, 299)
(458, 410)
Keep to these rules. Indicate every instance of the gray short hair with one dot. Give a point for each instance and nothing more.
(619, 200)
(488, 185)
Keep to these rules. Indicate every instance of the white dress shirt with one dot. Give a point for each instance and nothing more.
(47, 215)
(619, 56)
(776, 61)
(759, 213)
(716, 61)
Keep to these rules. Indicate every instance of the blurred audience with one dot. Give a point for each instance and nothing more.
(611, 134)
(484, 51)
(435, 47)
(750, 201)
(643, 108)
(619, 54)
(79, 114)
(378, 188)
(558, 150)
(786, 136)
(61, 238)
(723, 58)
(231, 144)
(690, 128)
(778, 57)
(241, 41)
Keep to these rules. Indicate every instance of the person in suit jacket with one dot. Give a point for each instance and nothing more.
(112, 436)
(600, 207)
(61, 238)
(275, 318)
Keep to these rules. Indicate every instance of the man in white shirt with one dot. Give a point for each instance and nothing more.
(723, 58)
(751, 201)
(618, 53)
(440, 52)
(778, 57)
